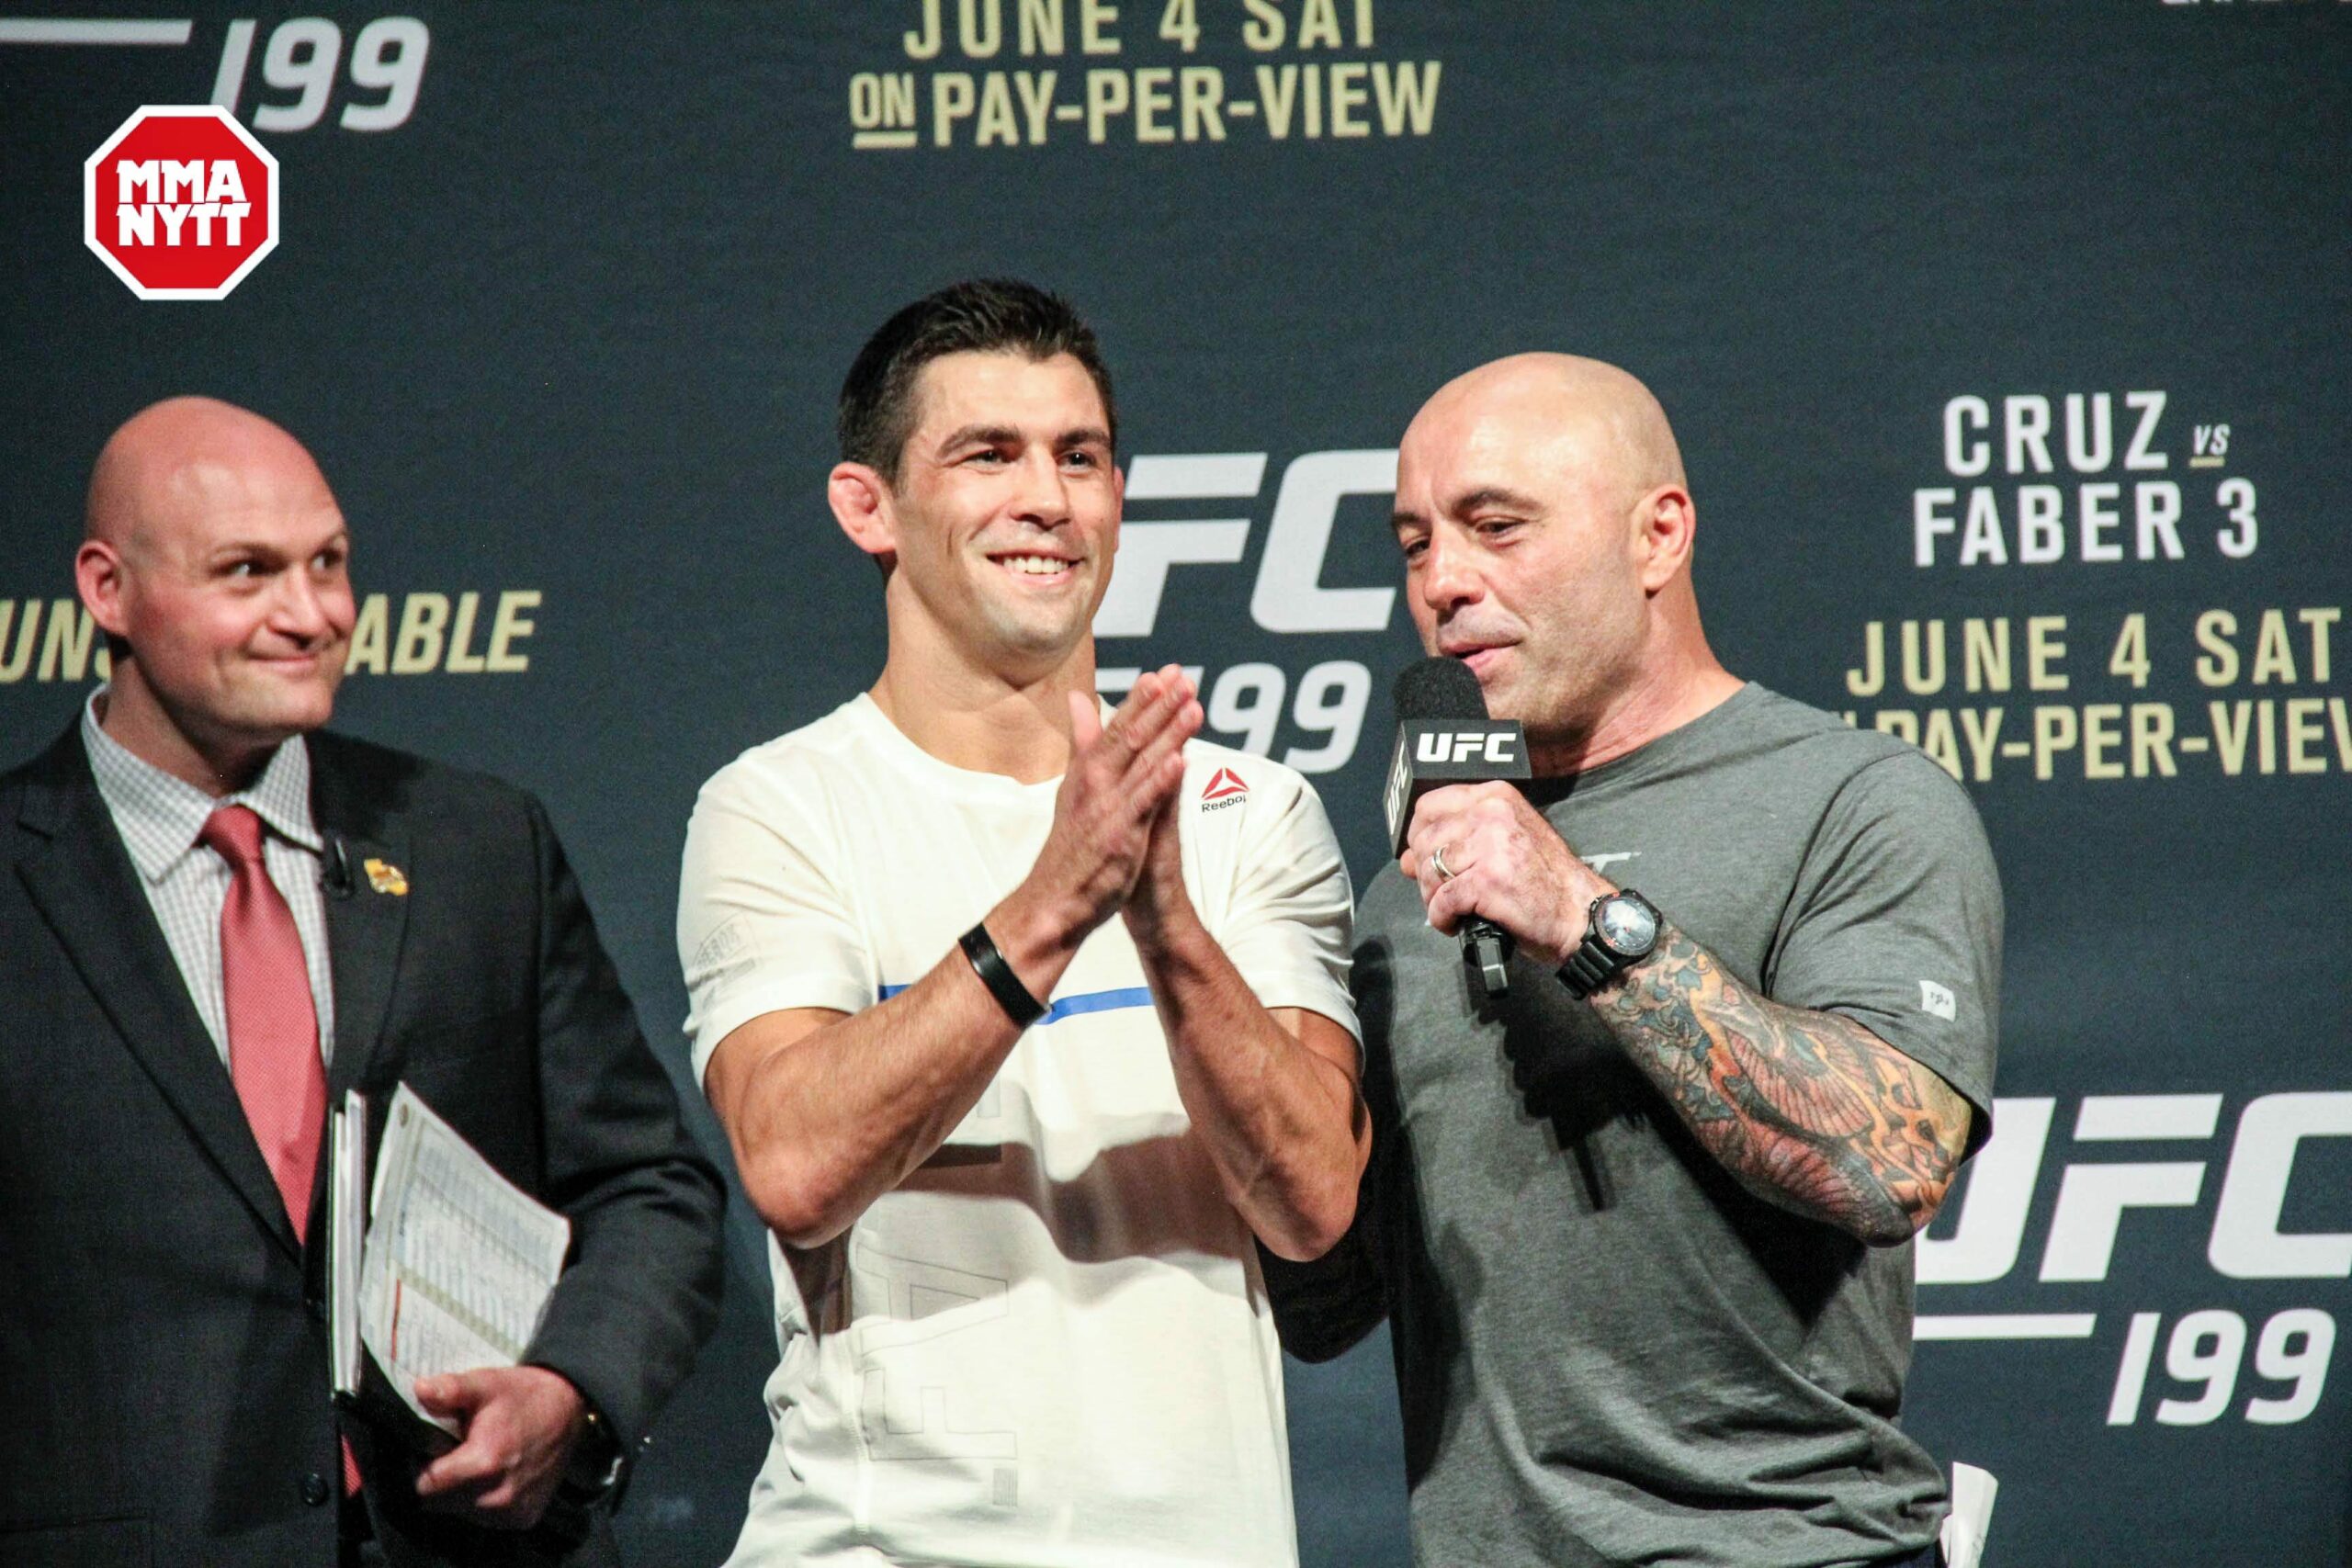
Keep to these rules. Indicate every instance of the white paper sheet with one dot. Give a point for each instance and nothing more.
(1970, 1519)
(459, 1262)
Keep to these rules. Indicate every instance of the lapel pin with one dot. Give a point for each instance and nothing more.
(385, 877)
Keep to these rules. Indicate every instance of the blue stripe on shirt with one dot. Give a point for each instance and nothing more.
(1071, 1007)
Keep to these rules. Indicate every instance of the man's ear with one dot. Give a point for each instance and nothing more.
(99, 578)
(1665, 528)
(862, 505)
(1118, 506)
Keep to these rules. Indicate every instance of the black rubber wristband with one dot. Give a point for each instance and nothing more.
(998, 977)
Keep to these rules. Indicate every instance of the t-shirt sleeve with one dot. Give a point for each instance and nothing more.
(1895, 922)
(764, 923)
(1290, 919)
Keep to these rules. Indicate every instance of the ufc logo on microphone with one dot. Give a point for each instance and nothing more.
(1498, 745)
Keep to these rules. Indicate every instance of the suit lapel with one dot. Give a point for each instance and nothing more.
(82, 880)
(364, 923)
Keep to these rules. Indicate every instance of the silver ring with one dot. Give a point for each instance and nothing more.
(1437, 859)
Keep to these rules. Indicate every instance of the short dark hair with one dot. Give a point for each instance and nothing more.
(990, 315)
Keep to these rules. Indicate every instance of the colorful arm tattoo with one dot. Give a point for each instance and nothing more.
(1810, 1111)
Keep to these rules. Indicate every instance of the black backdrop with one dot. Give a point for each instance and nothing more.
(570, 331)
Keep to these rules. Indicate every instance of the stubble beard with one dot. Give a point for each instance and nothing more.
(1045, 633)
(1033, 628)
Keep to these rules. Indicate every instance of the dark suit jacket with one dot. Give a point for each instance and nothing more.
(163, 1346)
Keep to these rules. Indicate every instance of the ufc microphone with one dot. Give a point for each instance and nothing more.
(1444, 737)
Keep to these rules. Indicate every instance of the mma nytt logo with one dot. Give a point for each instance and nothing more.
(180, 202)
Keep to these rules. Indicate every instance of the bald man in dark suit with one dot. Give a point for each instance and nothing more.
(214, 920)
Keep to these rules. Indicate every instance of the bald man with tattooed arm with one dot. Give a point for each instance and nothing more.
(1642, 1228)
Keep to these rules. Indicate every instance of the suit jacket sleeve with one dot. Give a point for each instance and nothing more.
(640, 1293)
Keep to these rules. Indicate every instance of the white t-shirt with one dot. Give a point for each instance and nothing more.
(1050, 1344)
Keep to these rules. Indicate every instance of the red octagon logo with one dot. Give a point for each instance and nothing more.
(181, 202)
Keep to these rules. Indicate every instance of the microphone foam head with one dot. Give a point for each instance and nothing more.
(1437, 688)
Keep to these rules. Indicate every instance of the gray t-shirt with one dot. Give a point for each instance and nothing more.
(1606, 1350)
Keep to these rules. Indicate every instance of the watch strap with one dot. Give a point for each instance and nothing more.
(1588, 968)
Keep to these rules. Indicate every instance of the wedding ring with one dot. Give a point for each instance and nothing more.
(1437, 859)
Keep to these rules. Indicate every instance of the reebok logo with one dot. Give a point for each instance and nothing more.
(1225, 789)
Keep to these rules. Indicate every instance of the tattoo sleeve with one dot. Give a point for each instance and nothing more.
(1809, 1110)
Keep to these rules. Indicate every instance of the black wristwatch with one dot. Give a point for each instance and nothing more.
(597, 1462)
(1618, 932)
(592, 1482)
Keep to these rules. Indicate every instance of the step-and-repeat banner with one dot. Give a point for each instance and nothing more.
(2008, 343)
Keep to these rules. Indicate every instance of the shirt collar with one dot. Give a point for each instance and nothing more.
(160, 816)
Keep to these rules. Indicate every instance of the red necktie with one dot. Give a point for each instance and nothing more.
(273, 1022)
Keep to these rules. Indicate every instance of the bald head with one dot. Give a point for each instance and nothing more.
(214, 557)
(1547, 530)
(1601, 417)
(187, 455)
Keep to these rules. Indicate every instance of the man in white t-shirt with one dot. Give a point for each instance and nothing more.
(1025, 1022)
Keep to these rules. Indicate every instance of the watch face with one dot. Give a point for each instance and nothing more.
(1627, 926)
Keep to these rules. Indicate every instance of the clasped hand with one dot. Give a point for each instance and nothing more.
(1502, 862)
(1113, 843)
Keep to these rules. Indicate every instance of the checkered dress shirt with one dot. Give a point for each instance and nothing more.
(159, 817)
